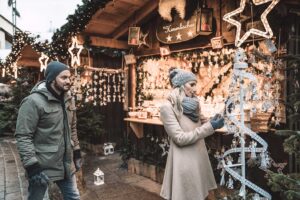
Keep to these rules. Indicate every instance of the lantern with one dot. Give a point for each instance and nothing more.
(108, 148)
(98, 177)
(134, 36)
(204, 20)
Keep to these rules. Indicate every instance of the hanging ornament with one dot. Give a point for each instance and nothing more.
(75, 58)
(267, 47)
(256, 197)
(253, 145)
(43, 62)
(222, 181)
(230, 183)
(268, 33)
(142, 40)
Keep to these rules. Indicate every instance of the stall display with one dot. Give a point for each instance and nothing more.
(214, 70)
(100, 86)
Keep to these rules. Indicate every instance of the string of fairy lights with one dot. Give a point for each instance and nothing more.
(58, 48)
(21, 39)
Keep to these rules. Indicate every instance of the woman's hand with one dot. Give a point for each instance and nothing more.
(217, 121)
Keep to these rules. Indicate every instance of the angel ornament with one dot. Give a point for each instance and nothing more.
(253, 145)
(229, 183)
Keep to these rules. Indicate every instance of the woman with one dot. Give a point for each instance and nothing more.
(188, 172)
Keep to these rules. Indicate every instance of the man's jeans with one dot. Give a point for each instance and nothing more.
(68, 188)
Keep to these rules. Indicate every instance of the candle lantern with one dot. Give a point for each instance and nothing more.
(108, 148)
(98, 177)
(204, 20)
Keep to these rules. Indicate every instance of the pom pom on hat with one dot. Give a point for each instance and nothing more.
(53, 69)
(179, 77)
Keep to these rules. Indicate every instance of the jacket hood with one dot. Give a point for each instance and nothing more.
(41, 88)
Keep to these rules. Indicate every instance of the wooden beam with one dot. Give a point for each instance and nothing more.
(105, 42)
(136, 18)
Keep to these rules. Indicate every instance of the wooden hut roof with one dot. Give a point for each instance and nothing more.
(109, 26)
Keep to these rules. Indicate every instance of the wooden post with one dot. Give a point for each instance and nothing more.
(132, 85)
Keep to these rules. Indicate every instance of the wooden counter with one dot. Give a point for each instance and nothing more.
(137, 124)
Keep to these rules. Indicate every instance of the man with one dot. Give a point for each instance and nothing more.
(46, 135)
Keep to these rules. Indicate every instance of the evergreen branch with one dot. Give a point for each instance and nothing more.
(286, 132)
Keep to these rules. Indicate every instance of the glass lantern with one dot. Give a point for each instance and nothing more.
(98, 177)
(108, 148)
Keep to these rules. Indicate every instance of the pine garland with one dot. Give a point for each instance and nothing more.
(76, 23)
(21, 40)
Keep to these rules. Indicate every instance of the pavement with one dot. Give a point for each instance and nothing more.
(119, 183)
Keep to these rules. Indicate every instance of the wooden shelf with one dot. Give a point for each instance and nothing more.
(137, 125)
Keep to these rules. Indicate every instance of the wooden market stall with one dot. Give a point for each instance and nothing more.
(121, 52)
(153, 45)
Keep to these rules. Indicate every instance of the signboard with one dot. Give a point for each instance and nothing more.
(130, 59)
(164, 51)
(180, 30)
(217, 42)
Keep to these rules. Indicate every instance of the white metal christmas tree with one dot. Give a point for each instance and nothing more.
(236, 125)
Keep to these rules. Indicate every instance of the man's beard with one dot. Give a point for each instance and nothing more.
(60, 88)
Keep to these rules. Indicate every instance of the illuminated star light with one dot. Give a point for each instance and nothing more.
(43, 61)
(3, 72)
(266, 34)
(15, 69)
(75, 59)
(190, 34)
(178, 36)
(169, 38)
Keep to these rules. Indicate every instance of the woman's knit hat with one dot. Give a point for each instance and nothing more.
(53, 69)
(179, 77)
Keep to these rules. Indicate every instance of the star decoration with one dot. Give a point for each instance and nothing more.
(242, 19)
(143, 39)
(190, 34)
(266, 34)
(43, 61)
(75, 59)
(178, 36)
(169, 38)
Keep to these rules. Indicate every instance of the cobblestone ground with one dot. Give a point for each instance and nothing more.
(119, 184)
(13, 185)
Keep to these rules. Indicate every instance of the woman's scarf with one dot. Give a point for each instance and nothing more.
(191, 108)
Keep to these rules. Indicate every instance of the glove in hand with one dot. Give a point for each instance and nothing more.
(217, 121)
(77, 159)
(40, 179)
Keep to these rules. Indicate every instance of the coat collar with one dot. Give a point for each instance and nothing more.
(42, 89)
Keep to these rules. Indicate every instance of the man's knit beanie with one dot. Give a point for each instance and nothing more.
(53, 69)
(179, 77)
